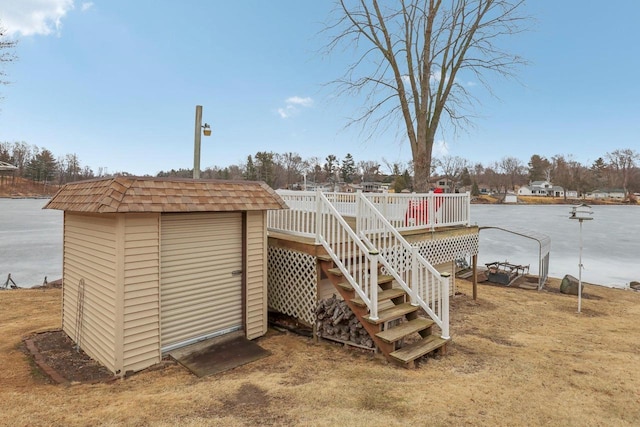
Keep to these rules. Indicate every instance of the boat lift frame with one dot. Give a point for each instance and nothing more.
(544, 243)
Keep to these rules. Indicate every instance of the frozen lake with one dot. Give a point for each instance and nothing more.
(611, 241)
(31, 241)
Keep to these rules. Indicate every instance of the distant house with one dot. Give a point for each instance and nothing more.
(349, 188)
(556, 191)
(545, 188)
(312, 186)
(374, 187)
(606, 194)
(536, 188)
(445, 184)
(484, 189)
(525, 190)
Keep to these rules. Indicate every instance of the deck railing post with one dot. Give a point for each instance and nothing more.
(431, 209)
(318, 215)
(373, 284)
(359, 212)
(415, 286)
(444, 315)
(468, 202)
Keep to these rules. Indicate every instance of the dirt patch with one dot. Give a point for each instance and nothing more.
(57, 356)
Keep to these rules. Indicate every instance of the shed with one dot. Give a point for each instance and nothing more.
(151, 265)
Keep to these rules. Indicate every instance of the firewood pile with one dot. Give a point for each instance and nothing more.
(336, 321)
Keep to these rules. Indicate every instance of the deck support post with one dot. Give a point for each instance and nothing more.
(475, 276)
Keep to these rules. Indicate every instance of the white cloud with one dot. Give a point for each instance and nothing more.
(303, 102)
(293, 105)
(86, 6)
(29, 17)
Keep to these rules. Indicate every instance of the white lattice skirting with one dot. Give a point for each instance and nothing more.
(293, 283)
(293, 277)
(448, 249)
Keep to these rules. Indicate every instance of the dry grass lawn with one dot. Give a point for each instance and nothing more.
(518, 357)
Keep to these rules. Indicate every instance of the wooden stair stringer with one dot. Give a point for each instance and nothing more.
(386, 341)
(348, 294)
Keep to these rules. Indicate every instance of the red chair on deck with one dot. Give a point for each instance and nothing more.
(418, 210)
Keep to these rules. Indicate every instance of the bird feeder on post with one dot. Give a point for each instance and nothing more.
(581, 212)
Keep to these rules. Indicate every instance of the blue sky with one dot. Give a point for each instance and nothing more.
(116, 82)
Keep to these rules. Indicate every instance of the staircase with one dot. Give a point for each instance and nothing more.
(399, 332)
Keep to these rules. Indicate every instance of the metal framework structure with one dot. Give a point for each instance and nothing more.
(544, 243)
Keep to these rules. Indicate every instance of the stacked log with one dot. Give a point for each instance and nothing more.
(336, 321)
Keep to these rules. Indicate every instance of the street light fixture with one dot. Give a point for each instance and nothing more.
(206, 130)
(581, 212)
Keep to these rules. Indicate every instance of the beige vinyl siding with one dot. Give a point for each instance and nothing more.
(90, 254)
(141, 308)
(256, 274)
(200, 296)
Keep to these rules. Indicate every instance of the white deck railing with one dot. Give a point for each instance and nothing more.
(403, 211)
(357, 261)
(420, 280)
(379, 217)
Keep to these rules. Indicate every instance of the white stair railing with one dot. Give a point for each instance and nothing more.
(423, 283)
(357, 261)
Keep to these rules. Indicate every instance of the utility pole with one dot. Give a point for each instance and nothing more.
(196, 145)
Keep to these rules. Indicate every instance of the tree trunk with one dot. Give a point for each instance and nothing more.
(422, 163)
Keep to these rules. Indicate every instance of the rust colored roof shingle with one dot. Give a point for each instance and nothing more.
(124, 194)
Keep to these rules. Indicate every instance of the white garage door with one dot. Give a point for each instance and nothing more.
(201, 276)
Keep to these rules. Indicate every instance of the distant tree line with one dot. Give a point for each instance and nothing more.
(616, 169)
(41, 165)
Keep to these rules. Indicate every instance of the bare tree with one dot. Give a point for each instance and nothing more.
(370, 170)
(314, 168)
(7, 54)
(292, 167)
(452, 168)
(513, 170)
(415, 56)
(561, 172)
(623, 162)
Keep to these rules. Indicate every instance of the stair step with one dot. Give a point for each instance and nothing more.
(337, 272)
(382, 278)
(392, 313)
(400, 331)
(323, 257)
(345, 285)
(418, 349)
(382, 296)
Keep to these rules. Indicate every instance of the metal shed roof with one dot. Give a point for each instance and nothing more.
(123, 194)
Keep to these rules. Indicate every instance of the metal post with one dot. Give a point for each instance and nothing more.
(196, 145)
(580, 272)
